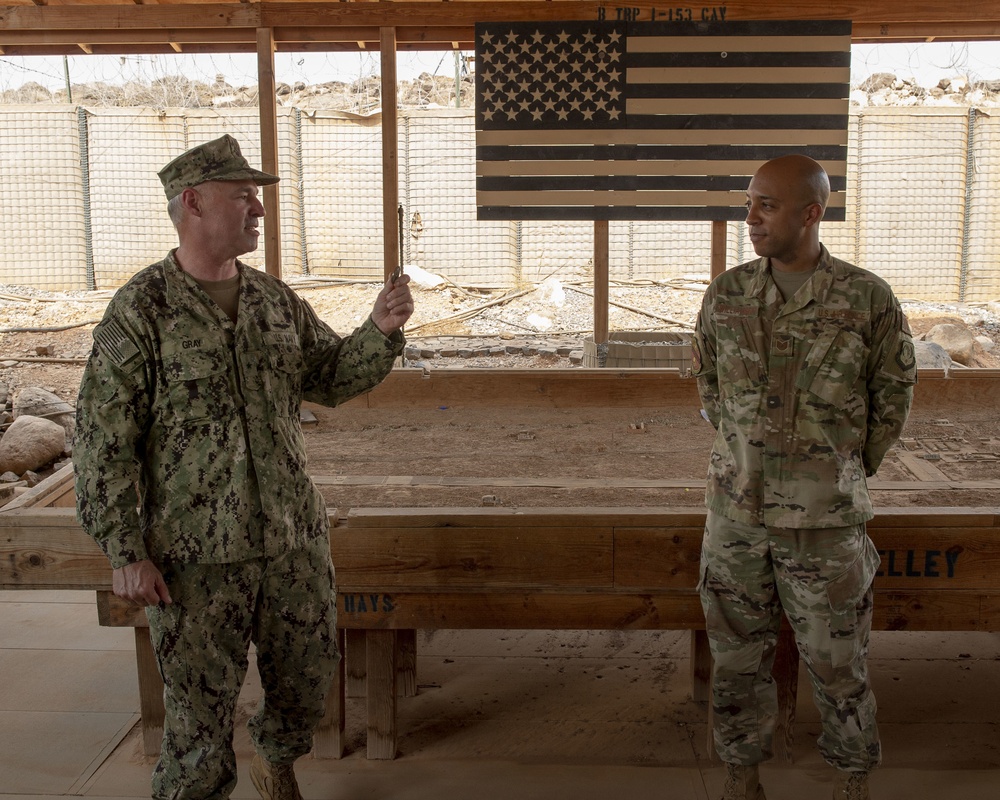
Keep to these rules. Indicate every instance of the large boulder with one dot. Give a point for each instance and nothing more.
(931, 355)
(957, 340)
(30, 443)
(33, 401)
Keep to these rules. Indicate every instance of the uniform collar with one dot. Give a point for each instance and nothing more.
(183, 291)
(816, 288)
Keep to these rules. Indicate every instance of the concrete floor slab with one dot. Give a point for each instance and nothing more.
(54, 752)
(98, 681)
(509, 715)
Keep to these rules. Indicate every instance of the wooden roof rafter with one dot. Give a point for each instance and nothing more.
(38, 27)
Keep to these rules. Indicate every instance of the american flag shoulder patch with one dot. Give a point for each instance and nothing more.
(115, 344)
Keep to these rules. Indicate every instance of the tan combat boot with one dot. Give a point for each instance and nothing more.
(274, 781)
(742, 783)
(851, 786)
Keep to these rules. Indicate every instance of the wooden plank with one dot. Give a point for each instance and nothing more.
(468, 556)
(329, 737)
(876, 33)
(965, 390)
(621, 388)
(406, 662)
(935, 610)
(364, 607)
(502, 517)
(623, 483)
(934, 517)
(506, 481)
(356, 662)
(381, 694)
(57, 490)
(929, 558)
(391, 245)
(151, 708)
(657, 558)
(921, 469)
(989, 612)
(718, 253)
(515, 388)
(701, 668)
(928, 610)
(921, 17)
(46, 549)
(602, 254)
(114, 612)
(269, 149)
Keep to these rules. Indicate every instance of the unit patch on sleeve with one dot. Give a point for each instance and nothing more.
(115, 344)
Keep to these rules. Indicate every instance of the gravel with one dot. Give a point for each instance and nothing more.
(548, 317)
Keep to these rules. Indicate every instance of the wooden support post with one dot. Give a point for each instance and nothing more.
(602, 253)
(718, 247)
(701, 667)
(150, 693)
(328, 740)
(390, 154)
(269, 149)
(355, 658)
(406, 662)
(381, 694)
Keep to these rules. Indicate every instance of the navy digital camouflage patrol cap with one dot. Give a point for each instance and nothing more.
(217, 160)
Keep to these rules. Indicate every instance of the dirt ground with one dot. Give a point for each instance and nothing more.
(444, 456)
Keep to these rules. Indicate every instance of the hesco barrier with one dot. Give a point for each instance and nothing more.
(83, 208)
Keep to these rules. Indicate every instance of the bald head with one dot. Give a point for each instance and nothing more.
(802, 175)
(786, 200)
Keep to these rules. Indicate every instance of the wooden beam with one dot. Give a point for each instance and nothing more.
(391, 247)
(602, 256)
(718, 256)
(965, 390)
(381, 701)
(877, 33)
(269, 149)
(577, 388)
(920, 18)
(530, 609)
(105, 36)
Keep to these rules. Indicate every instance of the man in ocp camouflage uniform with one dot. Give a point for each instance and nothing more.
(805, 367)
(191, 475)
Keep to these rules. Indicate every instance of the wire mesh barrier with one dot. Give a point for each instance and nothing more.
(83, 207)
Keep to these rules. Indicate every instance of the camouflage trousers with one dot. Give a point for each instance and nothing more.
(286, 608)
(822, 578)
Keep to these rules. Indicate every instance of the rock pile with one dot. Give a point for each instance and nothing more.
(37, 430)
(364, 95)
(885, 89)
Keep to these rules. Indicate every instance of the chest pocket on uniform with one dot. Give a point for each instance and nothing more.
(832, 366)
(738, 335)
(197, 383)
(284, 378)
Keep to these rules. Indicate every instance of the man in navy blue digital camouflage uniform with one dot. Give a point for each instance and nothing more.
(192, 477)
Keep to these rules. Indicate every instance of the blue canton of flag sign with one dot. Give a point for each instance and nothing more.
(653, 120)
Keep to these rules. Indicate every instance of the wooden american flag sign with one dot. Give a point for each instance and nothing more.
(653, 120)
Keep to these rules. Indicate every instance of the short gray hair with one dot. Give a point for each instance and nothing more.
(175, 209)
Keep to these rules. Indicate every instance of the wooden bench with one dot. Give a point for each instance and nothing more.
(401, 570)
